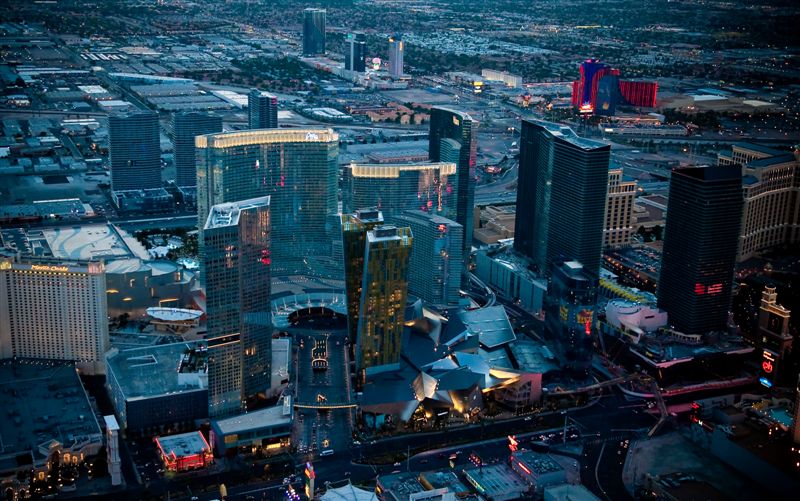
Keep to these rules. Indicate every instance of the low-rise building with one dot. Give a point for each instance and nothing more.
(497, 482)
(47, 419)
(158, 386)
(496, 223)
(267, 429)
(538, 470)
(187, 451)
(134, 285)
(508, 274)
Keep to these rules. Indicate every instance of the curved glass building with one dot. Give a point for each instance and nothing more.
(298, 169)
(392, 188)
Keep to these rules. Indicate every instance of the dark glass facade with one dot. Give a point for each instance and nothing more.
(392, 188)
(356, 52)
(238, 299)
(262, 110)
(314, 32)
(561, 196)
(460, 128)
(434, 269)
(134, 151)
(354, 239)
(185, 127)
(298, 169)
(700, 243)
(569, 318)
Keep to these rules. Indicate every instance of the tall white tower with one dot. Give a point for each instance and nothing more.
(112, 450)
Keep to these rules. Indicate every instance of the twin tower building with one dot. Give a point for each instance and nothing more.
(268, 206)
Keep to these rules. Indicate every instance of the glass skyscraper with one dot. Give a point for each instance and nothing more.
(396, 50)
(383, 298)
(460, 128)
(700, 243)
(561, 196)
(569, 318)
(434, 270)
(314, 32)
(393, 188)
(237, 263)
(356, 52)
(186, 126)
(134, 151)
(262, 110)
(354, 239)
(298, 169)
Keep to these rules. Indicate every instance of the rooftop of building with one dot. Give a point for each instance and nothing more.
(390, 171)
(369, 216)
(388, 233)
(460, 113)
(74, 243)
(490, 324)
(262, 93)
(445, 478)
(708, 173)
(495, 479)
(399, 486)
(505, 255)
(266, 136)
(532, 356)
(227, 214)
(41, 401)
(567, 134)
(184, 444)
(277, 415)
(428, 216)
(133, 265)
(664, 348)
(152, 370)
(348, 492)
(760, 148)
(538, 464)
(173, 314)
(781, 158)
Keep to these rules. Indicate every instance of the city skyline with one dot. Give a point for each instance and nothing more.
(399, 251)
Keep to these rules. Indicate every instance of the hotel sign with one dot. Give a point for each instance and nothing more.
(44, 267)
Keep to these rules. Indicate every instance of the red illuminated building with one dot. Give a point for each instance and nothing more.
(187, 451)
(599, 90)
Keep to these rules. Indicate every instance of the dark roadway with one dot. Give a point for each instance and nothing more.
(611, 417)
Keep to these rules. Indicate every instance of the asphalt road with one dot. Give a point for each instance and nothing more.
(318, 430)
(611, 417)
